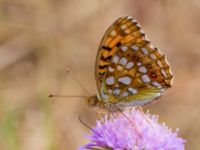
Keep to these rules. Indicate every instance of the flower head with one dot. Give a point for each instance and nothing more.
(133, 130)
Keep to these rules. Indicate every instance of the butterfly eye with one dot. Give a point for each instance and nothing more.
(92, 101)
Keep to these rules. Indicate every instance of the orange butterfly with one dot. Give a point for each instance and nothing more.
(129, 70)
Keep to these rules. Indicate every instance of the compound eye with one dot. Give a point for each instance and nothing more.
(90, 101)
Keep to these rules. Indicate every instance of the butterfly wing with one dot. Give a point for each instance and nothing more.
(109, 45)
(128, 68)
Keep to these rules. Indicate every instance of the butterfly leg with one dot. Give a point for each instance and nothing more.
(100, 113)
(140, 109)
(85, 124)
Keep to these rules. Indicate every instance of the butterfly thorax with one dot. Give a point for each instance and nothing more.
(93, 101)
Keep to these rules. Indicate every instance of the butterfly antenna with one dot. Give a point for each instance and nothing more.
(64, 96)
(77, 81)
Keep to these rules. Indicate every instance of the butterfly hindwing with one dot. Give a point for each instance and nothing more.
(139, 73)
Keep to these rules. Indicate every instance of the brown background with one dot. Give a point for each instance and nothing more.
(39, 39)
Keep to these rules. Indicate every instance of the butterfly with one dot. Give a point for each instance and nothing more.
(129, 71)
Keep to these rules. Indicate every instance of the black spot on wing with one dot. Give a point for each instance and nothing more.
(103, 66)
(118, 44)
(106, 58)
(106, 48)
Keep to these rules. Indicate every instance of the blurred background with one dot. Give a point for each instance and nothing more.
(40, 39)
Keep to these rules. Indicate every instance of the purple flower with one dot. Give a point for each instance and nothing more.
(133, 130)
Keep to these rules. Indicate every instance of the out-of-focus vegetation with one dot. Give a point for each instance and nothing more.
(39, 39)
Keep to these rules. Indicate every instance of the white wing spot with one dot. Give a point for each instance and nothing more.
(145, 78)
(115, 59)
(163, 73)
(113, 33)
(129, 65)
(138, 25)
(134, 21)
(110, 91)
(119, 67)
(129, 17)
(142, 69)
(124, 48)
(144, 50)
(152, 56)
(157, 85)
(123, 61)
(104, 95)
(135, 48)
(160, 64)
(142, 31)
(116, 91)
(132, 90)
(139, 64)
(111, 69)
(125, 94)
(110, 80)
(125, 80)
(123, 26)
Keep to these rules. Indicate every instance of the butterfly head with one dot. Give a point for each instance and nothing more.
(92, 101)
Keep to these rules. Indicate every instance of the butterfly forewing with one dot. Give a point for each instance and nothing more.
(124, 30)
(128, 68)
